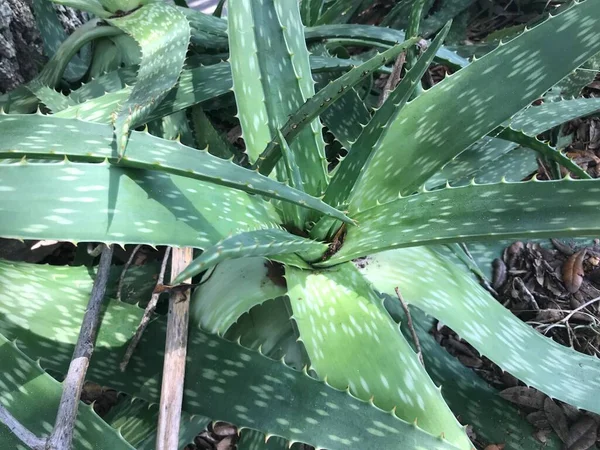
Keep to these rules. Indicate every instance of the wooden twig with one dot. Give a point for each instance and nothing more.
(62, 434)
(171, 396)
(25, 436)
(147, 313)
(411, 327)
(393, 79)
(125, 268)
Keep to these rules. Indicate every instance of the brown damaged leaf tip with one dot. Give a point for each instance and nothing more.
(572, 271)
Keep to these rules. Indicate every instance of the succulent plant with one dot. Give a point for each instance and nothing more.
(296, 320)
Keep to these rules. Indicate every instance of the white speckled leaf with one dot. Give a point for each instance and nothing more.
(223, 380)
(163, 34)
(436, 282)
(458, 111)
(267, 242)
(32, 397)
(352, 342)
(476, 212)
(232, 289)
(103, 203)
(373, 133)
(144, 151)
(255, 440)
(272, 79)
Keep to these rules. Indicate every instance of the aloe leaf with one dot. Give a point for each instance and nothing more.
(91, 6)
(175, 126)
(446, 290)
(54, 101)
(137, 421)
(493, 419)
(223, 380)
(271, 79)
(515, 165)
(144, 151)
(340, 12)
(32, 397)
(53, 34)
(267, 242)
(255, 440)
(310, 10)
(377, 36)
(108, 82)
(475, 212)
(292, 215)
(544, 149)
(447, 11)
(345, 178)
(343, 324)
(207, 136)
(327, 96)
(76, 202)
(561, 43)
(160, 30)
(218, 303)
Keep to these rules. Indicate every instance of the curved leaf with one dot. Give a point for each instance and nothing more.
(144, 151)
(267, 242)
(163, 34)
(476, 212)
(436, 282)
(79, 202)
(428, 126)
(353, 343)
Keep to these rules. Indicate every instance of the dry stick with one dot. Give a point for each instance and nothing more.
(393, 79)
(62, 434)
(26, 436)
(171, 396)
(571, 314)
(147, 313)
(411, 327)
(127, 265)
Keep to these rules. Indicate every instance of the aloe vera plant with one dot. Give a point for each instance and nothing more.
(298, 258)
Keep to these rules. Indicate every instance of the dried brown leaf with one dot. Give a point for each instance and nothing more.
(582, 434)
(495, 447)
(524, 396)
(572, 271)
(557, 419)
(539, 420)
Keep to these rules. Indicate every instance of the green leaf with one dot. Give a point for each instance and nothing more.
(163, 34)
(310, 10)
(544, 149)
(267, 242)
(137, 421)
(223, 380)
(32, 397)
(292, 215)
(344, 179)
(494, 420)
(447, 11)
(78, 202)
(208, 137)
(436, 282)
(109, 82)
(144, 151)
(255, 440)
(475, 212)
(353, 343)
(321, 101)
(92, 6)
(53, 35)
(54, 101)
(218, 302)
(272, 79)
(519, 72)
(340, 12)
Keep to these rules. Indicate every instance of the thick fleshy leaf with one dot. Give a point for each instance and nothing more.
(341, 11)
(144, 151)
(321, 101)
(79, 202)
(137, 421)
(53, 100)
(218, 302)
(272, 79)
(476, 212)
(310, 10)
(353, 343)
(265, 243)
(493, 419)
(53, 35)
(109, 82)
(255, 440)
(32, 397)
(163, 34)
(223, 380)
(436, 282)
(344, 179)
(428, 126)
